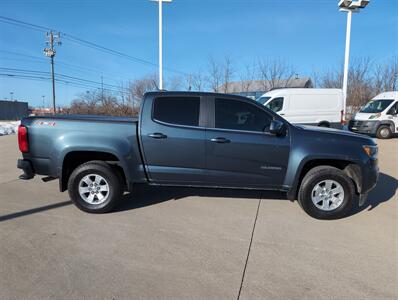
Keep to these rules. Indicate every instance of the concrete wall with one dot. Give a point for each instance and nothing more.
(13, 110)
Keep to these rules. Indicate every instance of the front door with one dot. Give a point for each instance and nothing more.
(173, 140)
(240, 152)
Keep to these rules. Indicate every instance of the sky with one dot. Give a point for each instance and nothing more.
(307, 34)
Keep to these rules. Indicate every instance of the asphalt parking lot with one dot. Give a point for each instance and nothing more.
(167, 243)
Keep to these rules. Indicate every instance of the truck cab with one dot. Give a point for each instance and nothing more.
(378, 117)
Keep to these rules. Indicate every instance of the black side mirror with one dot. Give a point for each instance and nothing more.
(277, 127)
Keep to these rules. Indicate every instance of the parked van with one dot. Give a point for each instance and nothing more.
(378, 117)
(319, 107)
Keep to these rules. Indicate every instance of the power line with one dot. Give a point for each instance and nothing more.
(59, 62)
(26, 71)
(85, 43)
(64, 82)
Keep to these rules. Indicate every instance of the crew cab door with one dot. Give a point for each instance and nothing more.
(240, 152)
(173, 139)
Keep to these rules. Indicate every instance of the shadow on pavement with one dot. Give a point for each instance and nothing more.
(144, 195)
(149, 195)
(33, 210)
(384, 191)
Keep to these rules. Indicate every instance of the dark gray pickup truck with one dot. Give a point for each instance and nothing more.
(199, 140)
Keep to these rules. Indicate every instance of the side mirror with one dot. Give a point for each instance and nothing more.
(277, 127)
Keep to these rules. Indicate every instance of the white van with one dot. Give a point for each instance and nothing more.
(378, 117)
(320, 107)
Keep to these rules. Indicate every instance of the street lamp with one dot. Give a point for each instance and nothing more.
(349, 7)
(160, 42)
(12, 96)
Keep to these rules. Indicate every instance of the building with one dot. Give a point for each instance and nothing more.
(256, 88)
(13, 110)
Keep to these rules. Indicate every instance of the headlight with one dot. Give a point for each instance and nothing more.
(371, 151)
(374, 116)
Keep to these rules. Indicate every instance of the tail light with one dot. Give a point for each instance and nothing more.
(342, 118)
(23, 139)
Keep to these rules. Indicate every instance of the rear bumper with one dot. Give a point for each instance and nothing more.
(26, 167)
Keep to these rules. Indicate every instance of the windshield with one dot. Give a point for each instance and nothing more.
(262, 100)
(375, 106)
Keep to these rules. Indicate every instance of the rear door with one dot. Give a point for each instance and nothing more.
(173, 139)
(240, 151)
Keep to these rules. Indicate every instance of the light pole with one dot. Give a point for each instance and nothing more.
(161, 41)
(12, 96)
(349, 7)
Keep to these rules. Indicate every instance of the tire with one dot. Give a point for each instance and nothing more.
(314, 199)
(95, 187)
(384, 132)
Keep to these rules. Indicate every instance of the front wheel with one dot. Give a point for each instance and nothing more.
(95, 187)
(326, 193)
(384, 132)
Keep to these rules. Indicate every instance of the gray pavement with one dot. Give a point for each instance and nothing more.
(167, 243)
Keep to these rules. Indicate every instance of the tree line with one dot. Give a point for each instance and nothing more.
(365, 80)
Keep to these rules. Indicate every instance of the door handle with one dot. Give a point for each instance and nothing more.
(157, 135)
(220, 140)
(282, 114)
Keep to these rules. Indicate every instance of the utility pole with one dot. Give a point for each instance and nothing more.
(50, 52)
(43, 100)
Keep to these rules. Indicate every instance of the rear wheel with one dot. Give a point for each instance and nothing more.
(326, 193)
(384, 132)
(95, 187)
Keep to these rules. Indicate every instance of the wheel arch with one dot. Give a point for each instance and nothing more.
(350, 168)
(72, 159)
(388, 123)
(324, 123)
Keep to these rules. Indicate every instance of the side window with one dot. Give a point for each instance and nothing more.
(177, 110)
(239, 115)
(276, 104)
(393, 110)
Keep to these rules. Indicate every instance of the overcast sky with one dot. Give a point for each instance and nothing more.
(308, 34)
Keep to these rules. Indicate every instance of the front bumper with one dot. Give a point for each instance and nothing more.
(370, 176)
(26, 167)
(366, 127)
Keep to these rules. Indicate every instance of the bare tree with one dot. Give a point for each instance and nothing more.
(215, 75)
(247, 77)
(227, 74)
(275, 73)
(198, 81)
(360, 88)
(174, 83)
(386, 76)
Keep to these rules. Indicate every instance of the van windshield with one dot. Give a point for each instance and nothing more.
(262, 100)
(376, 106)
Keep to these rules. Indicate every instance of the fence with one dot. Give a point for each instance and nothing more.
(13, 110)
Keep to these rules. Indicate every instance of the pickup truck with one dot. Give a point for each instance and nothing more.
(199, 139)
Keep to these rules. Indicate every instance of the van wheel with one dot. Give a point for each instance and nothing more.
(95, 187)
(326, 193)
(384, 132)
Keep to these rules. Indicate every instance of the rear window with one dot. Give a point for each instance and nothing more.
(177, 110)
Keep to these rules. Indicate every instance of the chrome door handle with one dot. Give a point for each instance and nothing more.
(220, 140)
(157, 135)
